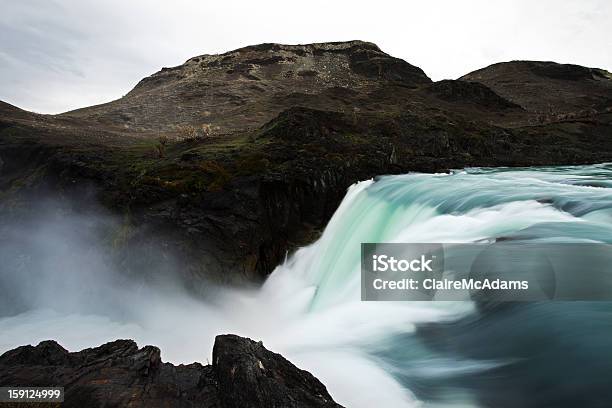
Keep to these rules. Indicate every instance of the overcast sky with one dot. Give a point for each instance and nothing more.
(57, 55)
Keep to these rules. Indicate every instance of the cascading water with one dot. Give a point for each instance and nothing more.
(387, 354)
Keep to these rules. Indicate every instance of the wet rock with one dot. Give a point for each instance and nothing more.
(114, 374)
(251, 376)
(119, 374)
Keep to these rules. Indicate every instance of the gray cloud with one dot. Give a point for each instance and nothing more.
(64, 54)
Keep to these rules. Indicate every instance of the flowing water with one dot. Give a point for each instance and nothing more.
(369, 354)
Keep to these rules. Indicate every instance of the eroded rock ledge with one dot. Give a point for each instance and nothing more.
(118, 374)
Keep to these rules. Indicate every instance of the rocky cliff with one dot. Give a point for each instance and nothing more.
(118, 374)
(234, 159)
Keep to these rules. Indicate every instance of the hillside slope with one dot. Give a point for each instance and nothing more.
(245, 88)
(547, 87)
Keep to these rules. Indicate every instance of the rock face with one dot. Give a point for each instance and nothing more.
(250, 376)
(114, 374)
(234, 159)
(118, 374)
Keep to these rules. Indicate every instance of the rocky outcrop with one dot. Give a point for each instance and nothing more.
(114, 374)
(118, 374)
(250, 376)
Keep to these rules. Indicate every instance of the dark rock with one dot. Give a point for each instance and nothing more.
(466, 92)
(114, 374)
(378, 65)
(568, 72)
(119, 374)
(250, 376)
(304, 125)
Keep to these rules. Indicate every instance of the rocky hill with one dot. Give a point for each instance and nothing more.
(244, 374)
(234, 159)
(245, 88)
(547, 87)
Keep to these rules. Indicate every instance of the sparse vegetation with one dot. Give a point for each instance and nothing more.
(220, 175)
(162, 143)
(194, 133)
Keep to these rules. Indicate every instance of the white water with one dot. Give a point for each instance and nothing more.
(309, 308)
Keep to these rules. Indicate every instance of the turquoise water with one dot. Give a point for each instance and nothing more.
(461, 356)
(567, 204)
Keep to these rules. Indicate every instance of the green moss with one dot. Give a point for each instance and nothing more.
(251, 164)
(220, 175)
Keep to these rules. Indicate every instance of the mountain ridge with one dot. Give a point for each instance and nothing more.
(239, 82)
